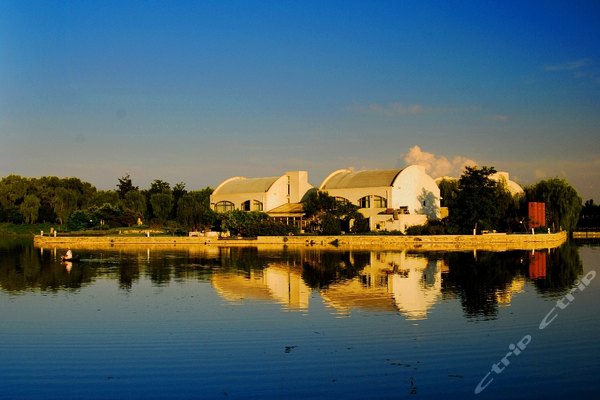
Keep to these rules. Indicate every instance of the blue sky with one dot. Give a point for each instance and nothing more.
(198, 91)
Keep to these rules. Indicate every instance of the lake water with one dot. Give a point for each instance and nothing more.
(246, 323)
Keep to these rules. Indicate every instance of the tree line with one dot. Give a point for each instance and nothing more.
(475, 200)
(77, 205)
(478, 202)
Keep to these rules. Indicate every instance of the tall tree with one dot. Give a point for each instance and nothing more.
(159, 186)
(448, 191)
(162, 204)
(135, 201)
(30, 208)
(563, 203)
(102, 197)
(475, 206)
(65, 202)
(193, 212)
(125, 185)
(320, 208)
(178, 192)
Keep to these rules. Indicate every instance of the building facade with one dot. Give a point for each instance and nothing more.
(260, 194)
(391, 199)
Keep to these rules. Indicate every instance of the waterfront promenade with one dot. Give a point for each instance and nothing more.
(493, 242)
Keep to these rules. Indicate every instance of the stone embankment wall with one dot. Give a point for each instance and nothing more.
(497, 242)
(586, 235)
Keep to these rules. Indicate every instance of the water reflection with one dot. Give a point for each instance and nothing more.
(277, 282)
(408, 283)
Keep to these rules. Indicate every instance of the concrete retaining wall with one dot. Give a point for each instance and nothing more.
(497, 242)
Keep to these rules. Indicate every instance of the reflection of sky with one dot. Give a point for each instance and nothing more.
(182, 339)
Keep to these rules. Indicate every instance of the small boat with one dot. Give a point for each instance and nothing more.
(72, 259)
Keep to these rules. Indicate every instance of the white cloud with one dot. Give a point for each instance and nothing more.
(568, 66)
(499, 118)
(437, 166)
(392, 109)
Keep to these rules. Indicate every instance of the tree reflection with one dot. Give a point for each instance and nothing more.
(563, 268)
(22, 267)
(321, 269)
(482, 279)
(478, 279)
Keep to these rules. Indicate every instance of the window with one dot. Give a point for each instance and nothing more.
(364, 202)
(341, 200)
(224, 206)
(246, 205)
(257, 205)
(379, 202)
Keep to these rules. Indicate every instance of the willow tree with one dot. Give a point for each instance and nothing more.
(30, 208)
(563, 203)
(162, 204)
(65, 202)
(135, 201)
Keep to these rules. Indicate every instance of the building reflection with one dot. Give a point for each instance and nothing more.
(406, 282)
(393, 281)
(278, 282)
(505, 296)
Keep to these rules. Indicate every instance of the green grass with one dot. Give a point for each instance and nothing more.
(24, 229)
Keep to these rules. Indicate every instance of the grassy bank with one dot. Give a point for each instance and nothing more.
(8, 229)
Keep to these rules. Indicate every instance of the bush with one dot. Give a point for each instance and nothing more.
(433, 228)
(252, 224)
(330, 225)
(361, 225)
(80, 220)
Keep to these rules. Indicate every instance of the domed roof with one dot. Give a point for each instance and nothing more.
(345, 179)
(240, 184)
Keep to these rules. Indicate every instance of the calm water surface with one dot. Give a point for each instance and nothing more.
(244, 323)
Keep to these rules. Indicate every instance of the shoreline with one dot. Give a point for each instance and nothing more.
(492, 242)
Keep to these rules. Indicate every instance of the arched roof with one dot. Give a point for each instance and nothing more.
(345, 179)
(240, 184)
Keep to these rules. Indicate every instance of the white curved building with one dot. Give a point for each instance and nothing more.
(391, 199)
(260, 194)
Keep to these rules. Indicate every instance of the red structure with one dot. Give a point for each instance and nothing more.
(537, 265)
(537, 214)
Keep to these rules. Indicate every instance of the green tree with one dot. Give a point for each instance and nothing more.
(102, 197)
(448, 191)
(84, 191)
(475, 205)
(81, 219)
(589, 217)
(162, 204)
(125, 186)
(253, 223)
(563, 203)
(30, 208)
(159, 186)
(65, 202)
(13, 189)
(330, 225)
(108, 215)
(193, 212)
(135, 201)
(317, 205)
(178, 192)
